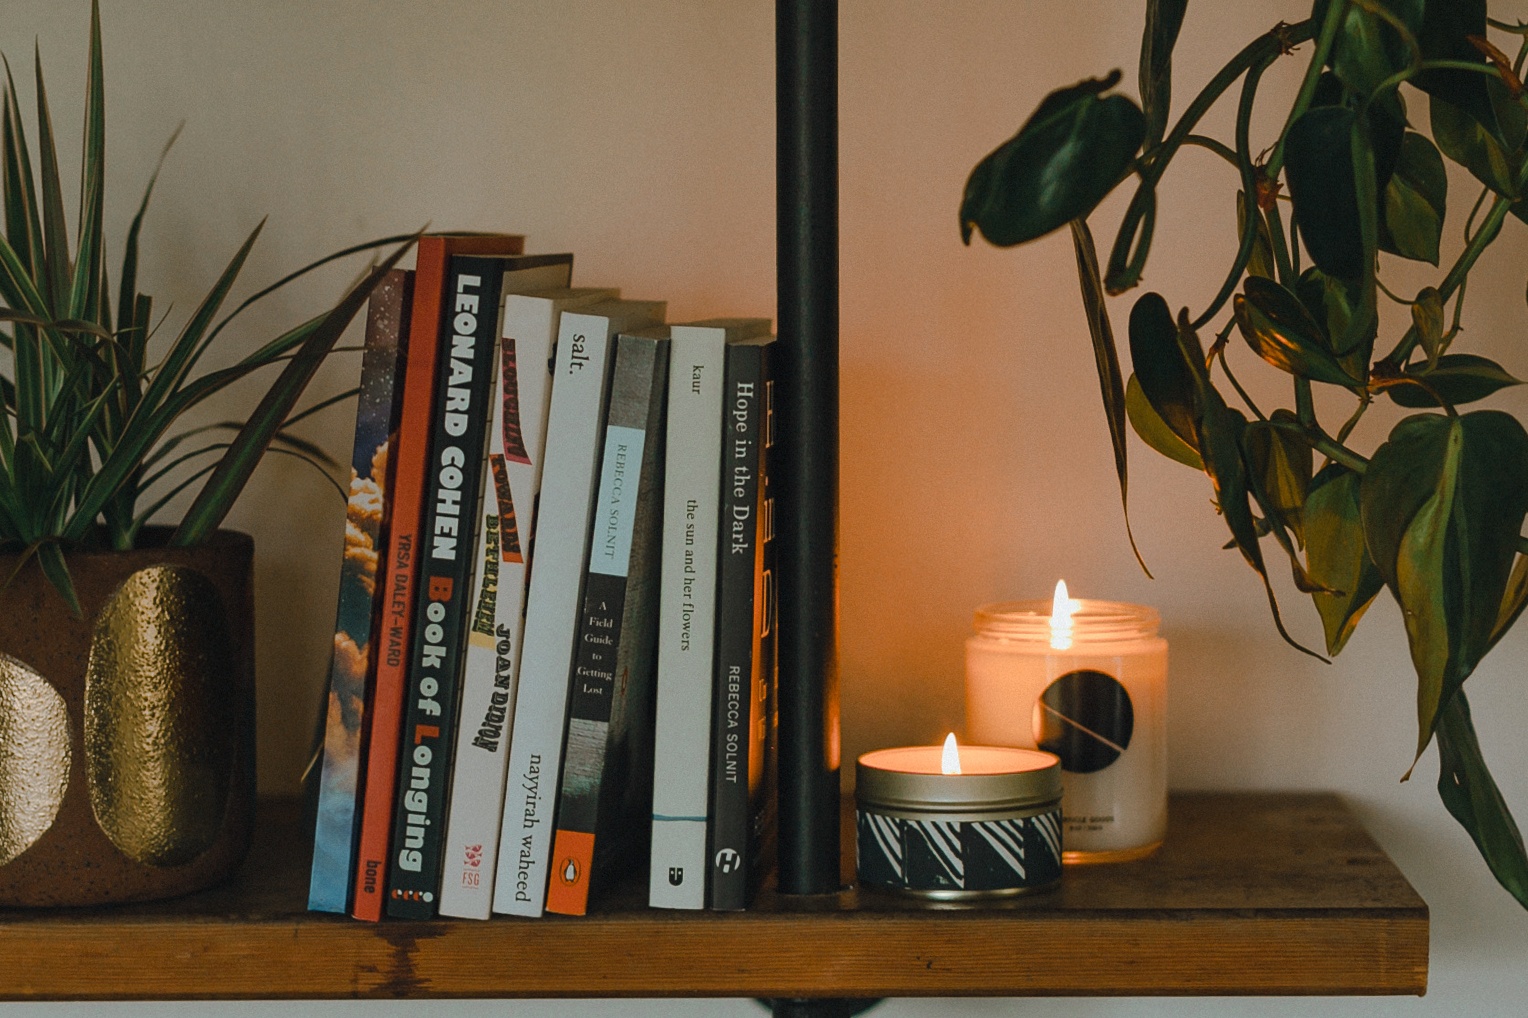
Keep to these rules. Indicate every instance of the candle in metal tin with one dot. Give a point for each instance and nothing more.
(959, 823)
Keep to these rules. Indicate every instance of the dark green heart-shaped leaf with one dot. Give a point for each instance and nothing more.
(1458, 378)
(1165, 379)
(1336, 303)
(1106, 359)
(1466, 142)
(1279, 463)
(1443, 501)
(1446, 29)
(1164, 18)
(1319, 162)
(1335, 554)
(1415, 202)
(1281, 330)
(1368, 49)
(1469, 792)
(1071, 152)
(1219, 430)
(1261, 263)
(1148, 424)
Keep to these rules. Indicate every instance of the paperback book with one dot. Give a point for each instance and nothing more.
(464, 376)
(353, 666)
(573, 447)
(606, 791)
(407, 457)
(517, 437)
(687, 609)
(743, 708)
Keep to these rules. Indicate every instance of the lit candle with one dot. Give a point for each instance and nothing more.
(956, 823)
(1086, 680)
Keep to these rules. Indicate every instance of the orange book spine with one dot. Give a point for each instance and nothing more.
(572, 858)
(408, 463)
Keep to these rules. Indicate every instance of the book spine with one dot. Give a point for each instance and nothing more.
(352, 671)
(463, 386)
(490, 674)
(407, 464)
(687, 624)
(612, 671)
(763, 750)
(736, 629)
(562, 535)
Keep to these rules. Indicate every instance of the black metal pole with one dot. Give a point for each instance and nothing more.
(806, 444)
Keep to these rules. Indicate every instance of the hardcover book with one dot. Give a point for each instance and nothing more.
(464, 377)
(687, 609)
(406, 462)
(517, 438)
(352, 670)
(606, 798)
(573, 448)
(743, 707)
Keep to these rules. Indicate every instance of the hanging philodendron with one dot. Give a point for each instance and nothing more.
(1349, 183)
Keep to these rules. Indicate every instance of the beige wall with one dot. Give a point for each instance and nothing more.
(976, 465)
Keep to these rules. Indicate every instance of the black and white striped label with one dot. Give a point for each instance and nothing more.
(959, 855)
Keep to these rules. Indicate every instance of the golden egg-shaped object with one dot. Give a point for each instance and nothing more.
(159, 716)
(34, 756)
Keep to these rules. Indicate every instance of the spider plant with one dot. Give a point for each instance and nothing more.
(92, 395)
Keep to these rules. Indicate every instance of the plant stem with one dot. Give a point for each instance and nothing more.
(1249, 189)
(1352, 422)
(1226, 367)
(1334, 15)
(1456, 275)
(1305, 406)
(1288, 273)
(1124, 267)
(1323, 443)
(1215, 145)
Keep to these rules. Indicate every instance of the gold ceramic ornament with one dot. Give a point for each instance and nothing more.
(34, 756)
(159, 716)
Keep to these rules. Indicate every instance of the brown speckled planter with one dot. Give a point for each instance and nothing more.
(157, 683)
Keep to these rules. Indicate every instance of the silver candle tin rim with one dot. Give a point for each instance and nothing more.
(975, 795)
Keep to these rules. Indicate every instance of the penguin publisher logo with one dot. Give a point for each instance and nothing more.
(569, 873)
(676, 875)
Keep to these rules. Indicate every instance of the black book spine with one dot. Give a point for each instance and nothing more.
(464, 377)
(740, 573)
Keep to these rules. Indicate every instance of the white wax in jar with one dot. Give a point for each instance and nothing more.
(1100, 704)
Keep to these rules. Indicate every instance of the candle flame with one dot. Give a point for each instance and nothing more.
(949, 761)
(1063, 607)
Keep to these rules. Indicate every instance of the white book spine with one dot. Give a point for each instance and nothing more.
(687, 619)
(490, 674)
(573, 446)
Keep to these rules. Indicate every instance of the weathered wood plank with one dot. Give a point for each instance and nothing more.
(1253, 893)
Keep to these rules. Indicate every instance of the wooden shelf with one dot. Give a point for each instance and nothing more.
(1252, 894)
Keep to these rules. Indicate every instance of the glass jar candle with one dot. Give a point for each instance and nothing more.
(1087, 681)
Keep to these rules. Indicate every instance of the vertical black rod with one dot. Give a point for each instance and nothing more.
(806, 498)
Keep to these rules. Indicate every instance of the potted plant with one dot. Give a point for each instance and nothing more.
(126, 671)
(1354, 179)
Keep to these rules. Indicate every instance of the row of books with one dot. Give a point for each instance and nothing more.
(554, 648)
